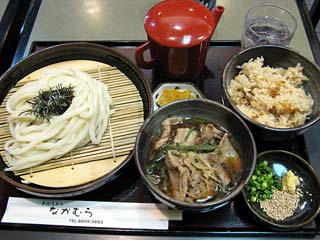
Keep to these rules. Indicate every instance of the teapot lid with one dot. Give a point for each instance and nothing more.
(179, 23)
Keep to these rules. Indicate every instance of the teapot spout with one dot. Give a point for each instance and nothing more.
(216, 13)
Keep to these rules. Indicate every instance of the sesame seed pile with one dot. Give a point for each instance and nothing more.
(281, 205)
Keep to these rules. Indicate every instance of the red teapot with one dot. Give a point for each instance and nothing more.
(178, 32)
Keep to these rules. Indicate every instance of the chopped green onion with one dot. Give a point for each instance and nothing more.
(262, 183)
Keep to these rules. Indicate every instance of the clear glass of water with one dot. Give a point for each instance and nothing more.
(268, 24)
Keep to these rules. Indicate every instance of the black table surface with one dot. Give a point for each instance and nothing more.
(233, 219)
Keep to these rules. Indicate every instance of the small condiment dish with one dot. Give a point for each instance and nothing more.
(195, 92)
(309, 204)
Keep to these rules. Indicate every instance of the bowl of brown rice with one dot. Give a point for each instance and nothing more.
(275, 89)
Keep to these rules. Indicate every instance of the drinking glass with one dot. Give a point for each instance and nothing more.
(268, 24)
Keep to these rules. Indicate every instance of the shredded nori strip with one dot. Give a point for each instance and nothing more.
(52, 102)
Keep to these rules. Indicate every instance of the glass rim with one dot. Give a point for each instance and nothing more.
(294, 19)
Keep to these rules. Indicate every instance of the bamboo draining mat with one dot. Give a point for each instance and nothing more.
(89, 162)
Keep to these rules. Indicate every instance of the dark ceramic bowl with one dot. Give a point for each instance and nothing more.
(308, 206)
(60, 53)
(214, 112)
(275, 56)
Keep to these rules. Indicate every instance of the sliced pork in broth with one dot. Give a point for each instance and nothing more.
(193, 160)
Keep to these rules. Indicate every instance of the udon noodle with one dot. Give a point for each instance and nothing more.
(37, 140)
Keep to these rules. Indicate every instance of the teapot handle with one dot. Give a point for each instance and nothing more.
(139, 56)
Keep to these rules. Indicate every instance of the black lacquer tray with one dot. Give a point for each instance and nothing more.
(233, 219)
